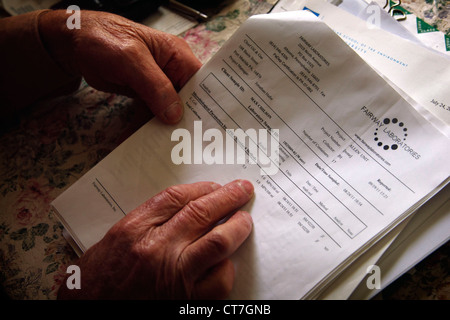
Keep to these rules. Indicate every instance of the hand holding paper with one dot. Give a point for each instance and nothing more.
(117, 55)
(169, 248)
(354, 156)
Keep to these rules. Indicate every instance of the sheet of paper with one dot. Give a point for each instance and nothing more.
(365, 11)
(421, 30)
(354, 158)
(343, 286)
(432, 236)
(169, 21)
(398, 252)
(427, 230)
(421, 73)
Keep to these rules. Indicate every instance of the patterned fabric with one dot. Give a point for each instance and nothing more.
(60, 140)
(51, 148)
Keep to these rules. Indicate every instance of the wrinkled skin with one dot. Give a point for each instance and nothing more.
(117, 55)
(170, 247)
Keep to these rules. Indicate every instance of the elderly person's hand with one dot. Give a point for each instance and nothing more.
(114, 54)
(170, 247)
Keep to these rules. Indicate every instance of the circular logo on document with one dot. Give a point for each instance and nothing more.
(391, 134)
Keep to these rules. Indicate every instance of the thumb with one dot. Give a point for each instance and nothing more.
(217, 283)
(157, 91)
(172, 64)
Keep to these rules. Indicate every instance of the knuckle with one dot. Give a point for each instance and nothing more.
(127, 230)
(235, 194)
(142, 250)
(176, 47)
(118, 231)
(233, 197)
(137, 251)
(199, 211)
(130, 49)
(175, 196)
(171, 40)
(147, 246)
(217, 242)
(119, 237)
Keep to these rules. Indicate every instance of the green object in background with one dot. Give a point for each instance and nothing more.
(423, 27)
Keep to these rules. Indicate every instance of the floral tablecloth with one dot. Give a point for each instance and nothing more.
(51, 147)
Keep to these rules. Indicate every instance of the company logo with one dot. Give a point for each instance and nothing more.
(390, 134)
(395, 134)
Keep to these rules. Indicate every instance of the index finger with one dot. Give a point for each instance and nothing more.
(161, 207)
(200, 215)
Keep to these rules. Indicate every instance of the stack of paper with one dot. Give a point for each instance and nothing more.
(350, 159)
(429, 227)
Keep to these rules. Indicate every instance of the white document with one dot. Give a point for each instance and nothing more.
(355, 275)
(429, 233)
(396, 253)
(425, 232)
(168, 21)
(419, 29)
(421, 73)
(365, 11)
(355, 159)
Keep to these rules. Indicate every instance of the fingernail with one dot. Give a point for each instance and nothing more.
(215, 186)
(174, 112)
(247, 216)
(247, 186)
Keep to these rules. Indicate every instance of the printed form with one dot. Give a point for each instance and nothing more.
(353, 158)
(423, 74)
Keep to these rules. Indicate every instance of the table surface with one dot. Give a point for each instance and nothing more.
(58, 141)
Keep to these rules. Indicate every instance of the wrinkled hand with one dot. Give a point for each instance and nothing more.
(170, 247)
(114, 54)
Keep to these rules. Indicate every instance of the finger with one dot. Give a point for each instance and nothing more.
(165, 204)
(137, 75)
(167, 68)
(157, 91)
(218, 244)
(200, 215)
(173, 55)
(217, 283)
